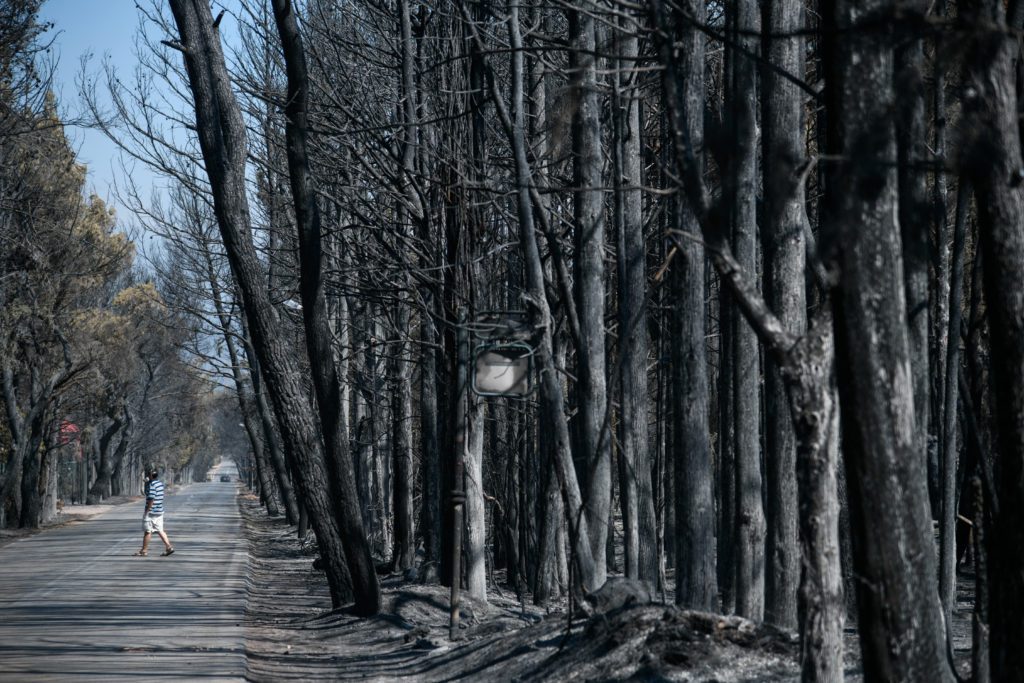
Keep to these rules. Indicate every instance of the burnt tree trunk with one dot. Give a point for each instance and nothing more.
(950, 450)
(635, 484)
(783, 248)
(912, 152)
(552, 397)
(341, 484)
(901, 630)
(993, 158)
(222, 138)
(694, 500)
(750, 519)
(589, 224)
(806, 365)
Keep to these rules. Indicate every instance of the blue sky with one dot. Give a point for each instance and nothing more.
(98, 28)
(99, 31)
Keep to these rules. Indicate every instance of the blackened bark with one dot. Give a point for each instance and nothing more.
(950, 450)
(634, 462)
(940, 291)
(222, 137)
(783, 248)
(403, 551)
(694, 501)
(750, 520)
(551, 393)
(430, 515)
(993, 158)
(314, 314)
(588, 214)
(981, 671)
(246, 409)
(912, 152)
(281, 465)
(807, 371)
(901, 630)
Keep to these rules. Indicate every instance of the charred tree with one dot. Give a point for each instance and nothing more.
(783, 249)
(900, 622)
(993, 163)
(222, 137)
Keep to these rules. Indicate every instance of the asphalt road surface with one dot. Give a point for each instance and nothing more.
(76, 605)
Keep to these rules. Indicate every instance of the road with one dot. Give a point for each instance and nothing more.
(76, 605)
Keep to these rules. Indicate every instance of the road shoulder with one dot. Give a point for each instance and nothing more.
(71, 514)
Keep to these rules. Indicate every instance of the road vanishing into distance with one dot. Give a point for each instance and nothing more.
(75, 604)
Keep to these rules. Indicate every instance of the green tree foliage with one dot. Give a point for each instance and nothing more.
(83, 336)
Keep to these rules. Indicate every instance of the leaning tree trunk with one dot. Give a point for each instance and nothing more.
(280, 464)
(342, 483)
(245, 408)
(222, 138)
(994, 163)
(901, 630)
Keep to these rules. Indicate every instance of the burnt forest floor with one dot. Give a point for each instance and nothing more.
(292, 635)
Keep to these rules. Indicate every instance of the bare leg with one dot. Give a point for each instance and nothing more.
(145, 542)
(163, 537)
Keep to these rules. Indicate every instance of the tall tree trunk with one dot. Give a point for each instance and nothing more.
(993, 158)
(901, 630)
(314, 314)
(403, 553)
(694, 501)
(551, 393)
(784, 248)
(950, 450)
(281, 465)
(221, 132)
(589, 223)
(635, 485)
(750, 520)
(430, 469)
(247, 411)
(806, 364)
(939, 293)
(912, 152)
(475, 509)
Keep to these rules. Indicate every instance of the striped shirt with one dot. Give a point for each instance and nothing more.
(155, 493)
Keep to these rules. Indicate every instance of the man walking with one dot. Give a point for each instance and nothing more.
(153, 517)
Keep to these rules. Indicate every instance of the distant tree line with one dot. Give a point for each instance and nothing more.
(94, 381)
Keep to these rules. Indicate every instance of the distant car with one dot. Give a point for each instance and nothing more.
(225, 477)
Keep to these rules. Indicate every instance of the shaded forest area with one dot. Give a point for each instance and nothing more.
(765, 259)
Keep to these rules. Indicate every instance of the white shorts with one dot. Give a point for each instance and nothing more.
(152, 525)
